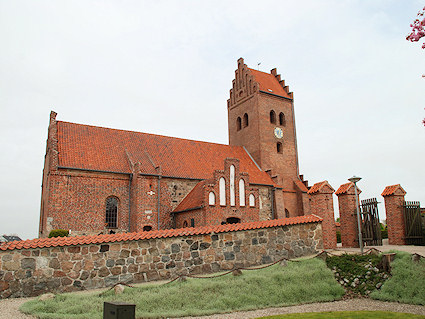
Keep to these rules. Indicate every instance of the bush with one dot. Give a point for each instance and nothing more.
(58, 233)
(384, 234)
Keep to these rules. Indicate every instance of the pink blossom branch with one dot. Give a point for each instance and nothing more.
(418, 28)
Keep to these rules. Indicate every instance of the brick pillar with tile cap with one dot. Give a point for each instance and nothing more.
(394, 201)
(322, 206)
(348, 214)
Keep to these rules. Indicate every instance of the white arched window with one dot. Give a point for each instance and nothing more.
(251, 200)
(211, 198)
(222, 186)
(232, 185)
(241, 192)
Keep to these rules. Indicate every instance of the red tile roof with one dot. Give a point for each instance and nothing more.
(344, 188)
(194, 199)
(267, 82)
(390, 190)
(100, 239)
(301, 186)
(318, 186)
(105, 149)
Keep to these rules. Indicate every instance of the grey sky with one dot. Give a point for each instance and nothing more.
(166, 67)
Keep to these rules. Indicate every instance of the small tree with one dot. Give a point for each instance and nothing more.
(58, 233)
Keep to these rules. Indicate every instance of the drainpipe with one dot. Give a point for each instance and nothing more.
(129, 202)
(159, 197)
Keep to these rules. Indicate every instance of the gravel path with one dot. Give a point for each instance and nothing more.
(9, 309)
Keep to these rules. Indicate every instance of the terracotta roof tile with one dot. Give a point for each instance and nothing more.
(269, 83)
(390, 190)
(98, 148)
(301, 186)
(318, 186)
(85, 240)
(195, 199)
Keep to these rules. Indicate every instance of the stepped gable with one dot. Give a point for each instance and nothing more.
(100, 239)
(112, 150)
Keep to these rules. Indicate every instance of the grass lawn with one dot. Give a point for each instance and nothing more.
(299, 282)
(407, 284)
(348, 315)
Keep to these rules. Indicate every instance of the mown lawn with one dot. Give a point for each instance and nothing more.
(407, 283)
(299, 282)
(347, 315)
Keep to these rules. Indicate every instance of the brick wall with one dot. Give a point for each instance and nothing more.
(30, 272)
(348, 215)
(394, 200)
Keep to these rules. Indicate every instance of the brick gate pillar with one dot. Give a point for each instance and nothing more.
(394, 200)
(322, 206)
(348, 214)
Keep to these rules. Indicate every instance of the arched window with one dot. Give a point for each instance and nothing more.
(147, 228)
(222, 189)
(211, 198)
(185, 224)
(241, 192)
(245, 120)
(251, 200)
(111, 218)
(232, 185)
(279, 147)
(286, 213)
(282, 119)
(239, 124)
(272, 117)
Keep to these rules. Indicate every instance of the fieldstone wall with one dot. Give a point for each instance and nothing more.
(31, 272)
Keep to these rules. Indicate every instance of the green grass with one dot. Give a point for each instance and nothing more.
(299, 282)
(348, 315)
(407, 284)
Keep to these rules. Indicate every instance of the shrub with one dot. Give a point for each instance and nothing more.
(58, 233)
(384, 234)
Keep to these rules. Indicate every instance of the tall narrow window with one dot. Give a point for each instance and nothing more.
(211, 199)
(279, 147)
(251, 200)
(192, 222)
(222, 186)
(245, 120)
(241, 192)
(232, 185)
(282, 119)
(239, 124)
(272, 117)
(111, 212)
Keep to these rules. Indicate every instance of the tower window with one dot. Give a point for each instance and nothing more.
(282, 119)
(147, 228)
(272, 117)
(185, 224)
(192, 222)
(111, 212)
(211, 199)
(245, 120)
(239, 124)
(279, 147)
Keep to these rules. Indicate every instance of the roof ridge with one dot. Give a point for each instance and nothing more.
(160, 135)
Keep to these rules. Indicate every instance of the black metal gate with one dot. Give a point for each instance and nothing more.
(371, 228)
(413, 224)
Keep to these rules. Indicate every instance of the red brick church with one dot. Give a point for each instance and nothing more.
(103, 180)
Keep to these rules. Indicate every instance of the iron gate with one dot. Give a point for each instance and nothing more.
(413, 224)
(371, 228)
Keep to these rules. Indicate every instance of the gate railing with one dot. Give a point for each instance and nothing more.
(371, 227)
(413, 224)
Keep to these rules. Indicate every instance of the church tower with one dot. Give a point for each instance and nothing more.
(261, 118)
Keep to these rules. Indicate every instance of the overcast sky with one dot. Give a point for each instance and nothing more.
(166, 67)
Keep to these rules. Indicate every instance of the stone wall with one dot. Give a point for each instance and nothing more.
(30, 272)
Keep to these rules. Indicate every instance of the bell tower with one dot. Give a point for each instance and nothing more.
(261, 118)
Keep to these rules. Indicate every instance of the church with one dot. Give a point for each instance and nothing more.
(102, 180)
